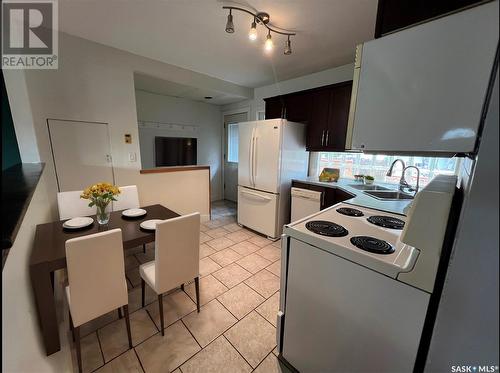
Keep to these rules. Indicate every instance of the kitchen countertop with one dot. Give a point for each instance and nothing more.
(362, 199)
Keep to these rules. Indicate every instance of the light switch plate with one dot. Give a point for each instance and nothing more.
(132, 157)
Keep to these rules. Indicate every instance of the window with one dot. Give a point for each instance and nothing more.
(376, 165)
(232, 142)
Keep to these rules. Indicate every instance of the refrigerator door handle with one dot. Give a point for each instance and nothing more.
(250, 159)
(256, 196)
(254, 167)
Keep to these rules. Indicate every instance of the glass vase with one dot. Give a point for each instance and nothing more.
(102, 215)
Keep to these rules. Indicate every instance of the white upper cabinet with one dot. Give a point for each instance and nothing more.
(423, 89)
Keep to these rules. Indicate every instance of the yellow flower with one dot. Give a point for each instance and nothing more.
(98, 190)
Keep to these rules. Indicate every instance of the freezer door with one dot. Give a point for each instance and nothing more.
(258, 211)
(266, 154)
(245, 153)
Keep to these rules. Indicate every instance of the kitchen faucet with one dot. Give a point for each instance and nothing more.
(389, 173)
(402, 182)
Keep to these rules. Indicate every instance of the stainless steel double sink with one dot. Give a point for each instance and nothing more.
(381, 192)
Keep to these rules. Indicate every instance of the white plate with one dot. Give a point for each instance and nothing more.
(77, 223)
(133, 213)
(150, 224)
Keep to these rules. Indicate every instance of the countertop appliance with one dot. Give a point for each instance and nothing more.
(423, 89)
(356, 284)
(271, 153)
(305, 202)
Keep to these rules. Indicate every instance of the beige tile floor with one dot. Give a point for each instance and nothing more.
(235, 330)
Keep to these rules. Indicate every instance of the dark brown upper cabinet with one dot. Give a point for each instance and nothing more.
(297, 107)
(393, 15)
(325, 110)
(327, 127)
(338, 116)
(318, 120)
(274, 107)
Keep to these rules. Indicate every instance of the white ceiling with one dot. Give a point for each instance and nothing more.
(164, 87)
(190, 34)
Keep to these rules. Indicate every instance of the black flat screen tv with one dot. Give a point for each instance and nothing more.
(175, 151)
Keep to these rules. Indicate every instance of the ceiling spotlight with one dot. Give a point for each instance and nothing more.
(268, 45)
(262, 19)
(229, 23)
(252, 34)
(288, 47)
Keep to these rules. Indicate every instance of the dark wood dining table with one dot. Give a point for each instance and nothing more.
(49, 255)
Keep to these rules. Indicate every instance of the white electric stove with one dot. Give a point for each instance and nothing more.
(399, 257)
(356, 284)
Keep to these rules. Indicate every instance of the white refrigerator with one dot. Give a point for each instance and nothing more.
(271, 153)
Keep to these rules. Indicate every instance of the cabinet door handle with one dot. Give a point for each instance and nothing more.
(322, 137)
(327, 133)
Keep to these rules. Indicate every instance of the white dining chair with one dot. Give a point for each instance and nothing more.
(96, 277)
(127, 199)
(70, 205)
(177, 258)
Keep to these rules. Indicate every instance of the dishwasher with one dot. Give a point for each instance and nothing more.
(304, 203)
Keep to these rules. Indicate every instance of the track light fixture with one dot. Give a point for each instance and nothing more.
(261, 19)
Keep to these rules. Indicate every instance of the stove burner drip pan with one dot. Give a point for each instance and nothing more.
(372, 244)
(326, 228)
(386, 221)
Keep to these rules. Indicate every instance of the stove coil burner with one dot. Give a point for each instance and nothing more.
(326, 228)
(373, 245)
(386, 221)
(349, 211)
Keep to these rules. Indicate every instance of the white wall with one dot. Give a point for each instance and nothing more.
(167, 109)
(22, 348)
(319, 79)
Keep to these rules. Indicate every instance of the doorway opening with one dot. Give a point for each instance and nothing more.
(230, 154)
